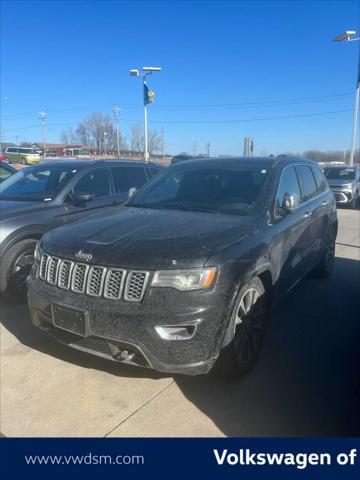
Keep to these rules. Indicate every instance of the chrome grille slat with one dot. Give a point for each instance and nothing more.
(114, 283)
(79, 276)
(64, 275)
(94, 280)
(52, 270)
(43, 266)
(135, 285)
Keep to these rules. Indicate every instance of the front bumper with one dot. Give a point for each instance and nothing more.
(125, 331)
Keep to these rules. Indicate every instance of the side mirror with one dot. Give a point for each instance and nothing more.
(290, 202)
(132, 191)
(79, 198)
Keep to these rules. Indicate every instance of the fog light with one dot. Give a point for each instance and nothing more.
(178, 332)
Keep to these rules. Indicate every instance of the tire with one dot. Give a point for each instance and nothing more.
(23, 161)
(354, 202)
(248, 320)
(16, 266)
(325, 266)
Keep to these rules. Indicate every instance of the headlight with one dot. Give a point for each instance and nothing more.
(185, 280)
(349, 187)
(37, 253)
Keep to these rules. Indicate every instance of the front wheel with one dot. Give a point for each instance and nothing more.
(246, 328)
(23, 161)
(16, 266)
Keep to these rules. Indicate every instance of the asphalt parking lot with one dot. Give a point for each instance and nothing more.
(306, 383)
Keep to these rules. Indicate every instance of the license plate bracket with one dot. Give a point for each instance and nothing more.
(71, 319)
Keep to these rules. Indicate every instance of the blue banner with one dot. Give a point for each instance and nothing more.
(62, 458)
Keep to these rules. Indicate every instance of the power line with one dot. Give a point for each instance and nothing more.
(290, 101)
(192, 122)
(314, 114)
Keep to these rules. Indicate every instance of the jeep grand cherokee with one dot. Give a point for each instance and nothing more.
(181, 278)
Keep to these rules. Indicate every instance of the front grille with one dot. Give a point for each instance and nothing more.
(94, 280)
(96, 344)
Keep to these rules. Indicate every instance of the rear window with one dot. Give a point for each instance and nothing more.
(307, 182)
(128, 177)
(320, 179)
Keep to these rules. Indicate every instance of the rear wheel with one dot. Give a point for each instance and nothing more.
(326, 263)
(247, 330)
(16, 266)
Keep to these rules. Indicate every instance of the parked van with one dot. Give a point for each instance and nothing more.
(25, 156)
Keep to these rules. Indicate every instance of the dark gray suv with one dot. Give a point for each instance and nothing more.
(55, 193)
(180, 278)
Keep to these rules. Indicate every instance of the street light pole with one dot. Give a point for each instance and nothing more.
(349, 37)
(116, 110)
(42, 116)
(135, 73)
(356, 114)
(146, 154)
(105, 142)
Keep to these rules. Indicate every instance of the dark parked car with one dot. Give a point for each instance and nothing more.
(5, 172)
(52, 194)
(181, 278)
(345, 183)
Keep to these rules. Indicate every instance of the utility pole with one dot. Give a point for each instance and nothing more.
(105, 142)
(116, 110)
(42, 116)
(208, 149)
(162, 143)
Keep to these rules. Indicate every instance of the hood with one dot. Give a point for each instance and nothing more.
(150, 239)
(340, 182)
(12, 208)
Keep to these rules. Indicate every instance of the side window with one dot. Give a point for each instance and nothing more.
(288, 184)
(96, 182)
(307, 182)
(320, 179)
(128, 177)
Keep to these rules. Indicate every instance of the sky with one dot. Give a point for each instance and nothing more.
(264, 69)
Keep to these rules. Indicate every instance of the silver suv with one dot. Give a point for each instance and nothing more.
(345, 183)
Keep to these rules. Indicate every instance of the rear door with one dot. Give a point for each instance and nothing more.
(126, 177)
(314, 207)
(96, 182)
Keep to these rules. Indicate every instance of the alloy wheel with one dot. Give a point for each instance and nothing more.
(249, 327)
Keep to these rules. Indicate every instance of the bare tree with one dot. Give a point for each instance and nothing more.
(137, 140)
(68, 136)
(97, 130)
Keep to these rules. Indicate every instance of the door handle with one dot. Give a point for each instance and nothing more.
(307, 214)
(324, 203)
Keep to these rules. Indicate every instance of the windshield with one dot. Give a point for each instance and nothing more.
(340, 173)
(38, 184)
(225, 190)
